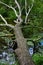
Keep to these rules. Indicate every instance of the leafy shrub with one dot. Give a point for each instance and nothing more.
(38, 59)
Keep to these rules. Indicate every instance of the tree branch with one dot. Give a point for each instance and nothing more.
(29, 10)
(19, 20)
(10, 7)
(3, 19)
(6, 24)
(26, 6)
(9, 25)
(18, 7)
(6, 35)
(18, 16)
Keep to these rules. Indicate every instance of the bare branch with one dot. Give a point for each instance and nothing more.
(10, 7)
(26, 6)
(18, 7)
(18, 16)
(6, 24)
(19, 20)
(9, 25)
(6, 35)
(16, 21)
(27, 13)
(3, 19)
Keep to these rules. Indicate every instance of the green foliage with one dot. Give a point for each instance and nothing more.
(28, 32)
(11, 14)
(34, 28)
(36, 15)
(16, 63)
(3, 11)
(38, 59)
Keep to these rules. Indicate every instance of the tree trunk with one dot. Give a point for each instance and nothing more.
(22, 52)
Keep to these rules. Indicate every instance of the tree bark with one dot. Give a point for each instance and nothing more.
(22, 52)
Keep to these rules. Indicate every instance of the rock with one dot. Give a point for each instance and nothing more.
(31, 51)
(7, 58)
(4, 54)
(0, 56)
